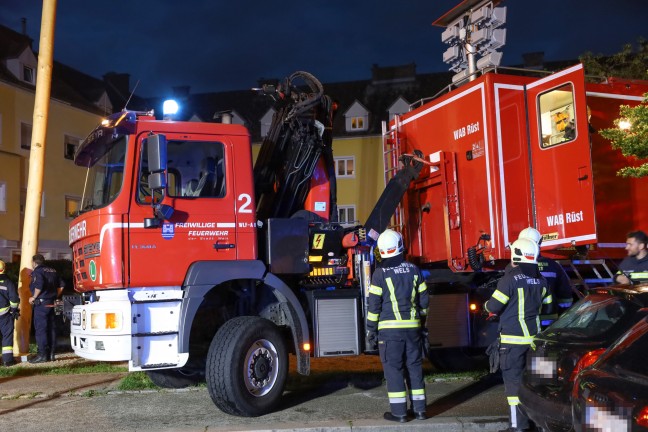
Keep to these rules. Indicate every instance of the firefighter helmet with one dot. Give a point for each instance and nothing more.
(2, 267)
(531, 234)
(390, 243)
(524, 251)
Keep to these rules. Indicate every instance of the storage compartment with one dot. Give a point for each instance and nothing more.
(335, 322)
(286, 246)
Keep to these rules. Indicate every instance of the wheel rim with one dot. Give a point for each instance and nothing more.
(261, 367)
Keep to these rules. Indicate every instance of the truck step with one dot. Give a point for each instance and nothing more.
(161, 333)
(158, 366)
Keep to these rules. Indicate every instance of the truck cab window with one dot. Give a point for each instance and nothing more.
(557, 121)
(105, 177)
(194, 169)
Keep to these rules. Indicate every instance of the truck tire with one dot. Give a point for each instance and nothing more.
(247, 366)
(174, 378)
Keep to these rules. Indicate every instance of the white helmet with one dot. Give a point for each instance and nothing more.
(531, 234)
(524, 251)
(390, 243)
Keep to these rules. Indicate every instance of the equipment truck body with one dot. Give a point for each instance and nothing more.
(504, 152)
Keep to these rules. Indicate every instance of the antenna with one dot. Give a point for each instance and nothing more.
(131, 95)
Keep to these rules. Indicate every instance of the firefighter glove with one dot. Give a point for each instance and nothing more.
(425, 341)
(372, 340)
(15, 312)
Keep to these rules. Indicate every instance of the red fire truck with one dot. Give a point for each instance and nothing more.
(505, 152)
(195, 266)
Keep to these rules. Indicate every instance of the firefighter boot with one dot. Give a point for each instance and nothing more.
(8, 359)
(391, 417)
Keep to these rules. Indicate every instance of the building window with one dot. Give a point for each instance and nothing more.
(345, 167)
(28, 74)
(25, 136)
(3, 197)
(346, 215)
(72, 207)
(70, 144)
(357, 123)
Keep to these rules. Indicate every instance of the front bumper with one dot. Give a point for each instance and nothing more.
(93, 339)
(548, 409)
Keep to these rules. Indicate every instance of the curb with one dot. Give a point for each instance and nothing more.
(443, 424)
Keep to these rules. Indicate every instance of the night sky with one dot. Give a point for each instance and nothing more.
(214, 45)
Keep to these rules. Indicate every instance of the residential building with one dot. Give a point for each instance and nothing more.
(77, 104)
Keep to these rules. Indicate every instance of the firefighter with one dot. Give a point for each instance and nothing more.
(634, 267)
(9, 302)
(557, 280)
(46, 287)
(397, 308)
(518, 300)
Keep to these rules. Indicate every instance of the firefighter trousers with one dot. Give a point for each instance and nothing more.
(7, 331)
(400, 354)
(44, 329)
(512, 364)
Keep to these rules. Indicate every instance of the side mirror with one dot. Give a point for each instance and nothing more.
(157, 161)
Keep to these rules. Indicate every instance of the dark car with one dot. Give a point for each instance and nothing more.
(612, 395)
(573, 342)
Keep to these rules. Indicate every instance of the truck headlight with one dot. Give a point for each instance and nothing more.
(105, 321)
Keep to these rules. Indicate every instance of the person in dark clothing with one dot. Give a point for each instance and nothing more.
(9, 302)
(46, 287)
(397, 308)
(634, 267)
(520, 295)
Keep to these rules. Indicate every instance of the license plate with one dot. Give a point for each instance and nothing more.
(76, 318)
(600, 418)
(543, 367)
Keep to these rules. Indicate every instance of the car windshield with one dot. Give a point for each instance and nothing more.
(591, 316)
(105, 177)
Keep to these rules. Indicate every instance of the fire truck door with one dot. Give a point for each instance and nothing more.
(561, 168)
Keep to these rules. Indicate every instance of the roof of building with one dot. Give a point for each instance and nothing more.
(68, 84)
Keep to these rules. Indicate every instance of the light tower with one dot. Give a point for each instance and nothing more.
(473, 33)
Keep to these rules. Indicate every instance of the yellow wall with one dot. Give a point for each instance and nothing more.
(366, 186)
(61, 176)
(364, 189)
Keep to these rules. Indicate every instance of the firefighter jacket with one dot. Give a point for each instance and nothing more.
(518, 301)
(636, 269)
(398, 298)
(8, 295)
(47, 280)
(557, 281)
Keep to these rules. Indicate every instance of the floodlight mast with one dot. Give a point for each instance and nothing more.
(472, 31)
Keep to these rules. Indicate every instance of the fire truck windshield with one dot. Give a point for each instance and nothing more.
(105, 177)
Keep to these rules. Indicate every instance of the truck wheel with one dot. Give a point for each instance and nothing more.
(174, 378)
(247, 365)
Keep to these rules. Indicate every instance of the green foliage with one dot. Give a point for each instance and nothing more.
(62, 266)
(633, 141)
(627, 63)
(136, 381)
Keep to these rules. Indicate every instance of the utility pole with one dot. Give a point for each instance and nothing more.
(35, 180)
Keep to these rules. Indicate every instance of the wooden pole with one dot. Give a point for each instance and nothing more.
(35, 180)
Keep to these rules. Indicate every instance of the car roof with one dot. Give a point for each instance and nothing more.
(635, 293)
